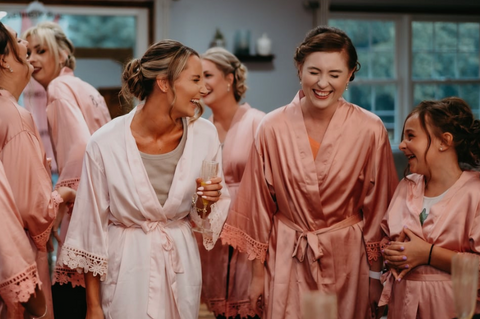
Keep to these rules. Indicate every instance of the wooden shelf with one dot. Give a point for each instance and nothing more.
(255, 58)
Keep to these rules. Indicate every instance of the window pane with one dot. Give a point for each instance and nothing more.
(423, 92)
(359, 94)
(445, 37)
(423, 39)
(468, 65)
(383, 66)
(468, 37)
(89, 31)
(422, 65)
(445, 65)
(471, 94)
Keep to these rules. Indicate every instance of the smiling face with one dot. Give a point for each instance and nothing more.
(415, 146)
(324, 77)
(43, 61)
(215, 82)
(19, 67)
(189, 88)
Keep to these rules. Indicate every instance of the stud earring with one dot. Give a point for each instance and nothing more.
(9, 68)
(441, 148)
(228, 87)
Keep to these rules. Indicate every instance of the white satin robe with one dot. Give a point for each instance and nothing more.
(145, 254)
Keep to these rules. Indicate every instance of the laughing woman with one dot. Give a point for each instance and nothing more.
(131, 228)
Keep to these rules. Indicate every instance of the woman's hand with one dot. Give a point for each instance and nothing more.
(256, 290)
(402, 257)
(376, 289)
(210, 190)
(68, 195)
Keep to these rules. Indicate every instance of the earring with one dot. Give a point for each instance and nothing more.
(441, 148)
(228, 87)
(9, 68)
(346, 87)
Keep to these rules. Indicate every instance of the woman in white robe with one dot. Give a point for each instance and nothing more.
(143, 251)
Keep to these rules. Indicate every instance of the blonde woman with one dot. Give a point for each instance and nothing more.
(131, 230)
(226, 273)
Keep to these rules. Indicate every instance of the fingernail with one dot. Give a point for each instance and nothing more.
(383, 250)
(200, 188)
(405, 226)
(388, 243)
(404, 257)
(399, 279)
(199, 193)
(386, 261)
(402, 248)
(208, 182)
(407, 266)
(204, 197)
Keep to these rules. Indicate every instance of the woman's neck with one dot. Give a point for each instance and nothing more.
(223, 113)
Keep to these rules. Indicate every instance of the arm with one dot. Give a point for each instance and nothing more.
(257, 287)
(92, 289)
(69, 134)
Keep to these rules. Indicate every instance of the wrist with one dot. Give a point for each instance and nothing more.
(374, 274)
(42, 316)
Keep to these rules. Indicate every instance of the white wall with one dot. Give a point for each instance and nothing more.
(271, 85)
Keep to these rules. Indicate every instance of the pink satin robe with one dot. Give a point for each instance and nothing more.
(18, 271)
(453, 223)
(28, 174)
(145, 254)
(215, 263)
(75, 110)
(316, 223)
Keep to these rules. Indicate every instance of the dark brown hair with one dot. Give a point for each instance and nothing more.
(327, 39)
(7, 44)
(452, 115)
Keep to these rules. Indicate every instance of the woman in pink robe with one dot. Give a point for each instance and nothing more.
(75, 110)
(226, 273)
(23, 157)
(19, 281)
(131, 231)
(316, 186)
(436, 207)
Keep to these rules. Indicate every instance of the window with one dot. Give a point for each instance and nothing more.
(374, 87)
(439, 59)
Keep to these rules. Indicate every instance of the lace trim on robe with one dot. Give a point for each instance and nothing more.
(41, 240)
(80, 260)
(244, 243)
(72, 183)
(239, 309)
(19, 287)
(373, 252)
(64, 275)
(213, 225)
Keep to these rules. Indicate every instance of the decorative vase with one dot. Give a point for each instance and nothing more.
(264, 45)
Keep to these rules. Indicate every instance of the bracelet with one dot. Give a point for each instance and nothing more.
(375, 274)
(44, 314)
(430, 255)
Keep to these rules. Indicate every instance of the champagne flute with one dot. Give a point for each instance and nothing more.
(465, 284)
(209, 171)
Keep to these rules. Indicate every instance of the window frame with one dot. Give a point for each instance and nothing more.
(403, 58)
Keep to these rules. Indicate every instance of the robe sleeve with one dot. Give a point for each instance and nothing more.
(18, 271)
(249, 222)
(383, 180)
(474, 235)
(31, 185)
(86, 244)
(69, 134)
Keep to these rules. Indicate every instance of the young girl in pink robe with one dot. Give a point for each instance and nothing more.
(75, 110)
(131, 231)
(434, 212)
(316, 186)
(226, 272)
(23, 156)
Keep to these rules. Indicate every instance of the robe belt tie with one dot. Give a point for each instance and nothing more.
(310, 238)
(388, 281)
(166, 258)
